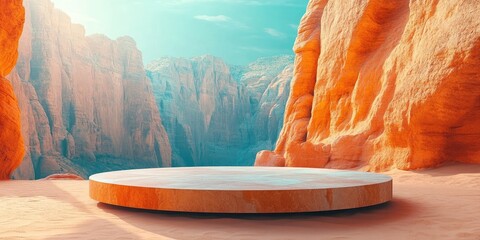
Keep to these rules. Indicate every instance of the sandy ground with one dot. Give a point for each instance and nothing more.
(442, 203)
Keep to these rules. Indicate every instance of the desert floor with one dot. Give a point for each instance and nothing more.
(442, 203)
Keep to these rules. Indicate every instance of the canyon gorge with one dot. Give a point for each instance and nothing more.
(216, 114)
(375, 85)
(88, 104)
(372, 85)
(383, 84)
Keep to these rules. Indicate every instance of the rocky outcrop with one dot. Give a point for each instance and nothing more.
(12, 17)
(86, 101)
(216, 116)
(383, 84)
(64, 176)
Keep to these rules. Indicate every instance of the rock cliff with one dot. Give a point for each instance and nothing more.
(12, 17)
(383, 84)
(217, 114)
(86, 103)
(267, 82)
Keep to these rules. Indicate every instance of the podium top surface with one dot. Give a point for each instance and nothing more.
(240, 178)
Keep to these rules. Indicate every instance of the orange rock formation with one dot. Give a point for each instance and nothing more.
(383, 84)
(12, 16)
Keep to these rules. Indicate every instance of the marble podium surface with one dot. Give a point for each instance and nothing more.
(241, 189)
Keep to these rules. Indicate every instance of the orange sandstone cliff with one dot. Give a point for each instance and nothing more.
(383, 84)
(12, 16)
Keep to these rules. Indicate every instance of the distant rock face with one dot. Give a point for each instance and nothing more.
(267, 82)
(383, 84)
(213, 113)
(12, 17)
(86, 103)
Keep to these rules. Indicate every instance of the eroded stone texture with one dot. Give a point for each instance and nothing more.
(200, 104)
(86, 101)
(12, 17)
(216, 114)
(383, 84)
(267, 82)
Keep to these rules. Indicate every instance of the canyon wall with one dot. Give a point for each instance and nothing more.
(217, 114)
(12, 17)
(267, 82)
(383, 84)
(86, 103)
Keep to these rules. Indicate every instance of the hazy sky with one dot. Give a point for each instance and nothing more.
(237, 30)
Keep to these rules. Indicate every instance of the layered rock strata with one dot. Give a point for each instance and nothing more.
(216, 114)
(383, 84)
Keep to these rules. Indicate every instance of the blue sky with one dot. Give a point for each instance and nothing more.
(238, 31)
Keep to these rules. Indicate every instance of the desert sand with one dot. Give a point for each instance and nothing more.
(442, 203)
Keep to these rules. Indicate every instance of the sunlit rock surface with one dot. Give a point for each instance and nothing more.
(216, 114)
(86, 103)
(383, 84)
(12, 17)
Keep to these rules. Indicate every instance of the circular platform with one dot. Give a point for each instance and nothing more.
(241, 189)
